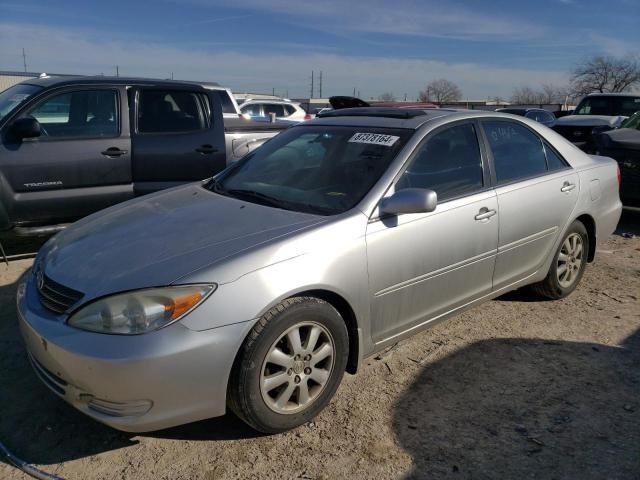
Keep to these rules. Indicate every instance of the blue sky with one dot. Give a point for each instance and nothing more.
(487, 47)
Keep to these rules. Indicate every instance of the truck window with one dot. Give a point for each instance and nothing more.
(163, 111)
(84, 113)
(225, 101)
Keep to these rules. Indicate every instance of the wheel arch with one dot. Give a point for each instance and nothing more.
(590, 225)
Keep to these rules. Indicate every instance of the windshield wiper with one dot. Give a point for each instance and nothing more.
(260, 197)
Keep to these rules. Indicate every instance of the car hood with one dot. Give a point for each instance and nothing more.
(590, 120)
(626, 138)
(156, 240)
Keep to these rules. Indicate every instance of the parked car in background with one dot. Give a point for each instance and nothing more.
(73, 145)
(623, 145)
(256, 290)
(597, 110)
(283, 110)
(538, 114)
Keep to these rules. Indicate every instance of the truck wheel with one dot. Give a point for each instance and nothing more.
(568, 264)
(290, 365)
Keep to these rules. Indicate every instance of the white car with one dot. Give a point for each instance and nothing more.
(283, 109)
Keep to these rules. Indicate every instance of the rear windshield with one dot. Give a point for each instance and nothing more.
(225, 101)
(632, 122)
(13, 97)
(609, 105)
(314, 169)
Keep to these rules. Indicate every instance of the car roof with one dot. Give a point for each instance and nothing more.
(53, 81)
(268, 100)
(388, 117)
(620, 94)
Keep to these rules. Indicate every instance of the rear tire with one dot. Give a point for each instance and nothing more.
(569, 263)
(290, 365)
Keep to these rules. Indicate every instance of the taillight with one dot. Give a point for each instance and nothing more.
(308, 117)
(619, 175)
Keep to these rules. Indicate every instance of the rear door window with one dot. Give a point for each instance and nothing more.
(85, 113)
(517, 152)
(163, 111)
(278, 109)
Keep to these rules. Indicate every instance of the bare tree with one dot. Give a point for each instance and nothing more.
(387, 97)
(440, 91)
(526, 96)
(601, 73)
(553, 94)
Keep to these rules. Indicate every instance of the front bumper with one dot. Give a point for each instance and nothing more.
(134, 383)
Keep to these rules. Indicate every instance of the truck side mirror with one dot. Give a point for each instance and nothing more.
(27, 127)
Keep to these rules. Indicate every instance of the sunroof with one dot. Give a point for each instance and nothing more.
(373, 112)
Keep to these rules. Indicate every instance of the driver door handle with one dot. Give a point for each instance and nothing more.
(113, 152)
(204, 149)
(485, 213)
(567, 187)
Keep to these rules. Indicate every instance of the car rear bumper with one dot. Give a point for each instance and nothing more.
(133, 383)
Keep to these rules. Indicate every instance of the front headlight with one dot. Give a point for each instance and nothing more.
(140, 311)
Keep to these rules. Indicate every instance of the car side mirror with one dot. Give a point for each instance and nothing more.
(409, 200)
(27, 127)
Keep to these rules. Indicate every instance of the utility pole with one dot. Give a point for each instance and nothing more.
(320, 83)
(24, 59)
(117, 71)
(273, 91)
(171, 75)
(354, 91)
(405, 97)
(311, 84)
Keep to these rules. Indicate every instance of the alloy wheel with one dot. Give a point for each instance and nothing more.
(297, 368)
(570, 260)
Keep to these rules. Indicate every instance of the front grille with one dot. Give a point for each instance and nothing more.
(54, 296)
(575, 134)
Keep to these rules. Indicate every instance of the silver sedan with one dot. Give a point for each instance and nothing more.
(256, 290)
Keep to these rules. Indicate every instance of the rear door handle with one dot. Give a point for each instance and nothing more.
(113, 152)
(485, 213)
(567, 187)
(204, 149)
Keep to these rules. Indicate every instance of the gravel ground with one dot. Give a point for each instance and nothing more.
(516, 388)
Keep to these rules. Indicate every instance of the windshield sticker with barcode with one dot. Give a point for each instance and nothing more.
(374, 139)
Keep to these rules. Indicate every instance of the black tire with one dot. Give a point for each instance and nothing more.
(550, 287)
(244, 394)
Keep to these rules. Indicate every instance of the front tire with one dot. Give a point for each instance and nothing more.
(290, 365)
(568, 264)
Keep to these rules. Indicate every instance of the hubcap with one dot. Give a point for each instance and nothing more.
(570, 260)
(297, 368)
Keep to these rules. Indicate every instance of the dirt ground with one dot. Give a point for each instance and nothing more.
(516, 388)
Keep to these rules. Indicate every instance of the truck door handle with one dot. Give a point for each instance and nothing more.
(567, 187)
(113, 152)
(485, 213)
(204, 149)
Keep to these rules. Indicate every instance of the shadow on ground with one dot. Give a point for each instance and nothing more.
(498, 408)
(41, 428)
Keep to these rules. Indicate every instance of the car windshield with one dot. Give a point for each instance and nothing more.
(609, 105)
(12, 97)
(632, 122)
(314, 169)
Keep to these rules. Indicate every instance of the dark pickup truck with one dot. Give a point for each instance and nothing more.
(72, 146)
